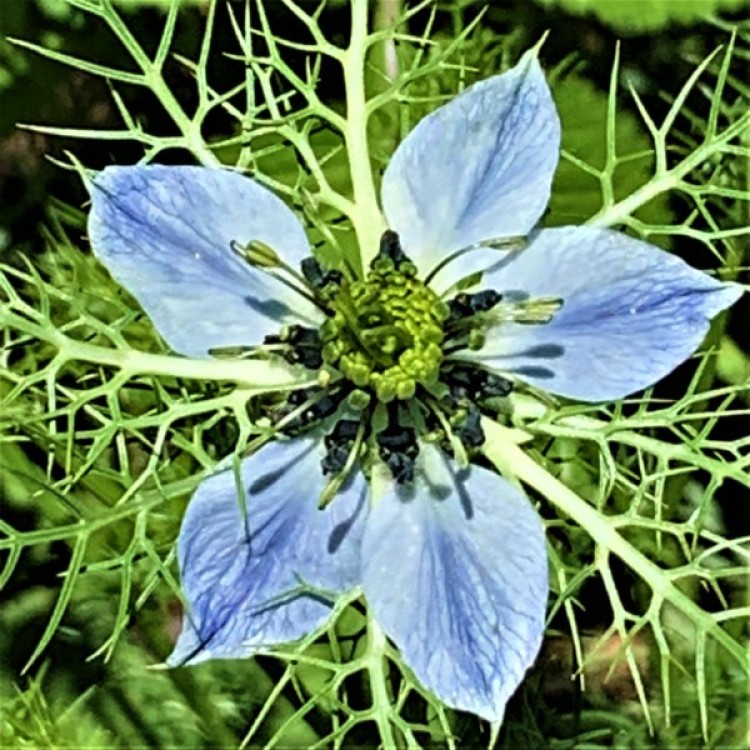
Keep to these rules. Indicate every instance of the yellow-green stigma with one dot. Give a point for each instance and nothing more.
(386, 332)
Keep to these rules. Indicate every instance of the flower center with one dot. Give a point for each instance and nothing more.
(388, 351)
(386, 331)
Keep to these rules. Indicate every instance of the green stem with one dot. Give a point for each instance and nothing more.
(260, 374)
(588, 428)
(375, 660)
(664, 181)
(502, 450)
(155, 81)
(366, 216)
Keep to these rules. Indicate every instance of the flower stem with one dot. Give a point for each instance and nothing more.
(260, 374)
(503, 451)
(263, 375)
(377, 669)
(366, 216)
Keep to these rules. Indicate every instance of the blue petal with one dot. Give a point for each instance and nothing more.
(478, 168)
(165, 232)
(241, 573)
(631, 313)
(455, 571)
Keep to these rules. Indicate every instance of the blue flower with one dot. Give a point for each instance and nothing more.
(450, 557)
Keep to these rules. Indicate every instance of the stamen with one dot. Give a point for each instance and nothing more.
(358, 400)
(467, 305)
(338, 445)
(257, 253)
(459, 452)
(303, 407)
(343, 450)
(317, 277)
(537, 311)
(239, 352)
(398, 449)
(469, 429)
(472, 313)
(303, 346)
(264, 258)
(308, 405)
(501, 244)
(474, 383)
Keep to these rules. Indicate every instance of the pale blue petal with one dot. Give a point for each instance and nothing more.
(240, 573)
(478, 168)
(164, 233)
(631, 313)
(455, 572)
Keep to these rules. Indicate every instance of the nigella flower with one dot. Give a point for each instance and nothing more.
(454, 311)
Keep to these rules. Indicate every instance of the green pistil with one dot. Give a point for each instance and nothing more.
(386, 332)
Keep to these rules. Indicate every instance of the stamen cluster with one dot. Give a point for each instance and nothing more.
(390, 338)
(386, 331)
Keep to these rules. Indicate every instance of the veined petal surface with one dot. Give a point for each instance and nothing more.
(478, 168)
(455, 571)
(631, 313)
(242, 571)
(165, 232)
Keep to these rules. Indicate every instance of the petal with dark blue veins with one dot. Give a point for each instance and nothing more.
(165, 234)
(455, 572)
(631, 313)
(259, 561)
(478, 168)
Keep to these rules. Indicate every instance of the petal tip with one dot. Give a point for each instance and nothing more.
(729, 293)
(532, 53)
(474, 658)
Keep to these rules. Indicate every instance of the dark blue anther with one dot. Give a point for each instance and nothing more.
(399, 449)
(305, 346)
(474, 383)
(339, 445)
(390, 249)
(319, 410)
(465, 305)
(470, 431)
(496, 386)
(316, 276)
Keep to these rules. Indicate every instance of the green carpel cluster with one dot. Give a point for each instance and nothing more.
(386, 332)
